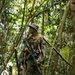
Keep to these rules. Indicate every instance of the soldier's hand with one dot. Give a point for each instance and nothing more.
(38, 62)
(26, 49)
(21, 67)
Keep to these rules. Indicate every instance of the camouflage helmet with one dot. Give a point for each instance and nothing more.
(34, 26)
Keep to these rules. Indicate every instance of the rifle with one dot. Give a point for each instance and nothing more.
(31, 51)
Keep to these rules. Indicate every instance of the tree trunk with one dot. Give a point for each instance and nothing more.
(72, 8)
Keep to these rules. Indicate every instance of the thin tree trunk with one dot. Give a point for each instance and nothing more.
(59, 38)
(72, 8)
(43, 23)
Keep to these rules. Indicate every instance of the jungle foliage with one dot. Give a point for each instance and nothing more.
(56, 23)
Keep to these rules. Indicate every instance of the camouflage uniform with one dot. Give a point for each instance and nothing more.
(27, 60)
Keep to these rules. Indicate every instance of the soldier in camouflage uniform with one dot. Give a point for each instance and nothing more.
(27, 63)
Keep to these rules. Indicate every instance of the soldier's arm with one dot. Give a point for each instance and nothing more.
(22, 57)
(42, 48)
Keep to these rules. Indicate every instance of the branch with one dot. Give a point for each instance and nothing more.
(35, 15)
(33, 6)
(23, 13)
(58, 53)
(31, 15)
(31, 10)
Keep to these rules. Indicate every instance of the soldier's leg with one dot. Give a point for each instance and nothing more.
(35, 70)
(32, 69)
(29, 69)
(21, 72)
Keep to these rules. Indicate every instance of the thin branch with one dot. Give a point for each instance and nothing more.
(30, 15)
(36, 14)
(32, 6)
(58, 53)
(31, 10)
(23, 13)
(43, 23)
